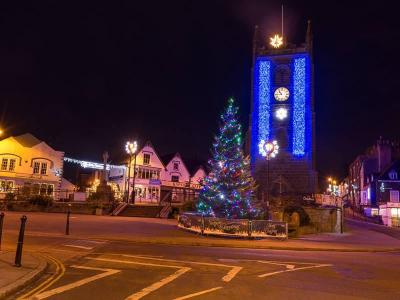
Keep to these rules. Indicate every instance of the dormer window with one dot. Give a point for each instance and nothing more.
(43, 169)
(36, 167)
(393, 175)
(4, 164)
(146, 158)
(40, 168)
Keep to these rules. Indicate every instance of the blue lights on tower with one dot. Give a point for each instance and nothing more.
(262, 103)
(263, 126)
(299, 106)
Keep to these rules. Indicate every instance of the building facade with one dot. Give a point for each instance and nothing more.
(283, 111)
(30, 164)
(159, 180)
(374, 179)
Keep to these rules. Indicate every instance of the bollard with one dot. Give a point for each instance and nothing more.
(202, 225)
(67, 225)
(249, 228)
(1, 226)
(18, 254)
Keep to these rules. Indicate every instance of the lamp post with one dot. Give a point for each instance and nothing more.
(131, 148)
(268, 150)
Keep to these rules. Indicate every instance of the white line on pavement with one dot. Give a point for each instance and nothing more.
(132, 262)
(77, 246)
(158, 284)
(292, 270)
(198, 293)
(61, 289)
(228, 277)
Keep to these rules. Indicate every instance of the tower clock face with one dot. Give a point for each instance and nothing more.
(281, 94)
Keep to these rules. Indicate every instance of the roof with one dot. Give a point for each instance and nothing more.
(27, 140)
(168, 157)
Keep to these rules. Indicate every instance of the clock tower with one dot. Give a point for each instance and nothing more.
(282, 111)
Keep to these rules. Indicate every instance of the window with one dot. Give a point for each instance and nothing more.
(394, 196)
(11, 166)
(393, 175)
(43, 169)
(175, 178)
(4, 163)
(6, 185)
(146, 159)
(36, 167)
(176, 166)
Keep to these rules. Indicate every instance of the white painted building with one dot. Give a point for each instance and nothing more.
(161, 180)
(26, 162)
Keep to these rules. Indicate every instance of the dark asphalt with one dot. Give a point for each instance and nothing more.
(126, 270)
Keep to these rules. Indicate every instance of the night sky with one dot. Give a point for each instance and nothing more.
(85, 77)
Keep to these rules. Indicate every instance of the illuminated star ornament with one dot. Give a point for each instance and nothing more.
(268, 149)
(281, 113)
(276, 41)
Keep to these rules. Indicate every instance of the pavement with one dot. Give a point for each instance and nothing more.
(13, 279)
(135, 258)
(358, 237)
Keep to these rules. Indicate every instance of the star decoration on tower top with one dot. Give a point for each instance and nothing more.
(276, 41)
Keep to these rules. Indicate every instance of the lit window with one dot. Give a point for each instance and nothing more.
(11, 166)
(175, 178)
(43, 169)
(36, 167)
(4, 163)
(176, 166)
(146, 159)
(6, 185)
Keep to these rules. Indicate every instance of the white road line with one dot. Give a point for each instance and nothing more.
(158, 284)
(278, 264)
(231, 274)
(228, 277)
(133, 262)
(61, 289)
(77, 246)
(292, 270)
(198, 293)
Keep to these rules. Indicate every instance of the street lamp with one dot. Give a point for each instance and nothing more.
(268, 150)
(131, 148)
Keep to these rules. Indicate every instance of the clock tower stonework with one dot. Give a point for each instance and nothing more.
(282, 110)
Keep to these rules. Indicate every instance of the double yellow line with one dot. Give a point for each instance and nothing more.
(60, 270)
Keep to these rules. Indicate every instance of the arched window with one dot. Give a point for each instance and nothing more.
(282, 75)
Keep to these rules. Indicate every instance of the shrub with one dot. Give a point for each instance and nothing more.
(188, 206)
(10, 197)
(41, 200)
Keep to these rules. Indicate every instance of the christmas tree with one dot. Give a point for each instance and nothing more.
(229, 189)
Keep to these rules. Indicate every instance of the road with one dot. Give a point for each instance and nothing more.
(84, 268)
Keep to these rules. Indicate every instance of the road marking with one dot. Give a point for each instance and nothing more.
(292, 270)
(133, 262)
(228, 277)
(231, 274)
(155, 286)
(158, 284)
(61, 289)
(198, 293)
(60, 270)
(77, 246)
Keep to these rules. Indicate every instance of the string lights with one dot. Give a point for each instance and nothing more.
(299, 106)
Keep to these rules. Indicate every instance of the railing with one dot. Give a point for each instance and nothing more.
(232, 227)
